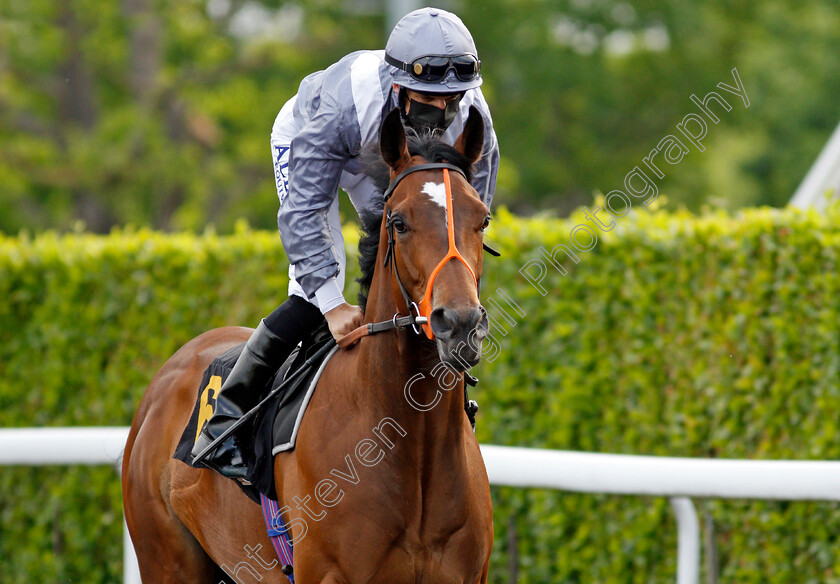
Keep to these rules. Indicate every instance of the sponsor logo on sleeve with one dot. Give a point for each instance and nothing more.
(281, 171)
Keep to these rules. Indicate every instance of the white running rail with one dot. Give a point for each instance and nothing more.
(67, 446)
(676, 478)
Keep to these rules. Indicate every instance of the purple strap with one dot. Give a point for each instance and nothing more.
(278, 534)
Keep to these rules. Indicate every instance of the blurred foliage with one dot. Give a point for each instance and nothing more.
(704, 336)
(708, 336)
(149, 113)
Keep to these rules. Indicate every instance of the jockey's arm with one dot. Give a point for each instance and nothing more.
(317, 156)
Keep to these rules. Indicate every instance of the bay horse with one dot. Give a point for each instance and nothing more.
(386, 484)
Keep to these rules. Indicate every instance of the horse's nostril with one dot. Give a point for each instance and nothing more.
(473, 317)
(444, 322)
(447, 322)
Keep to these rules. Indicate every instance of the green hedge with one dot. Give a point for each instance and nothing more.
(709, 336)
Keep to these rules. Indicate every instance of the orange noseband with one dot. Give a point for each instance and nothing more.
(425, 307)
(453, 253)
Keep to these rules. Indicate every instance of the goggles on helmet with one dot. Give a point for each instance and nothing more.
(433, 68)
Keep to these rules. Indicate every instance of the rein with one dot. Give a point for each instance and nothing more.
(418, 317)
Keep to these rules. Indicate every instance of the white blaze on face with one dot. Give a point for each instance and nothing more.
(436, 192)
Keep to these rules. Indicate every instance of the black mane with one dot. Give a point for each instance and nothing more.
(432, 149)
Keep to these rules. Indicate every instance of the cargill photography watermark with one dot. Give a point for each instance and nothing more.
(638, 183)
(504, 314)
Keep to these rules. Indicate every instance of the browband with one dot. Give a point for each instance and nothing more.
(428, 166)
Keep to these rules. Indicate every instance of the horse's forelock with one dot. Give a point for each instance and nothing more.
(428, 145)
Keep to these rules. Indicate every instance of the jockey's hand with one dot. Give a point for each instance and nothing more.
(343, 319)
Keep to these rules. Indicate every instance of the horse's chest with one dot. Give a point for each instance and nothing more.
(388, 515)
(455, 558)
(447, 539)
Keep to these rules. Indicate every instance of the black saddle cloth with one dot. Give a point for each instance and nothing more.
(272, 425)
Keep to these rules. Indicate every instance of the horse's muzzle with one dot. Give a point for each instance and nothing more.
(459, 334)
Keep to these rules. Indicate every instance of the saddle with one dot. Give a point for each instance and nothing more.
(274, 428)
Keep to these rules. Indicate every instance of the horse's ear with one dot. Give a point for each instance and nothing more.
(471, 141)
(392, 142)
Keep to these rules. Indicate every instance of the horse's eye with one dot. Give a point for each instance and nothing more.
(486, 223)
(400, 226)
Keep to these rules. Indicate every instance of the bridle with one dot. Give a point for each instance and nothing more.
(424, 309)
(418, 315)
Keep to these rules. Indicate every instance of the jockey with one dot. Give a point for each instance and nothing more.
(430, 69)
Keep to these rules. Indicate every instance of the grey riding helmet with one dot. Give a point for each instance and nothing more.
(430, 32)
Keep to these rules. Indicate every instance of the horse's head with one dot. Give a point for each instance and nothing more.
(435, 223)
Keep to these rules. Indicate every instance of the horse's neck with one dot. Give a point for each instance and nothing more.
(401, 373)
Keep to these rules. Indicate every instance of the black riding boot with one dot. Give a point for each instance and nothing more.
(261, 357)
(259, 361)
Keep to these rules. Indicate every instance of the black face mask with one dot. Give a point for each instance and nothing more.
(422, 116)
